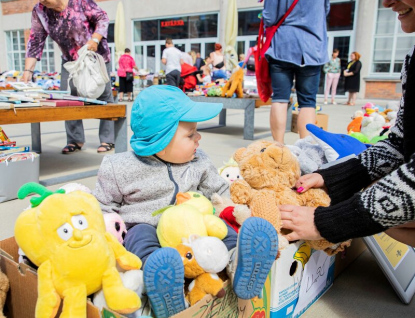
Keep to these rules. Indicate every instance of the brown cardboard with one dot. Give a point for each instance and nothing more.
(343, 260)
(322, 120)
(22, 295)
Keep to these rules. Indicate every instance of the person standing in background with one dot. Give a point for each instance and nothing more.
(172, 58)
(332, 70)
(72, 24)
(218, 62)
(126, 64)
(199, 61)
(352, 75)
(187, 58)
(298, 49)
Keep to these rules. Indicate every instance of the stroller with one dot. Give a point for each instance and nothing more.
(188, 80)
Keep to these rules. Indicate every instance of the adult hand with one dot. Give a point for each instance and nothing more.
(346, 73)
(92, 45)
(308, 181)
(300, 220)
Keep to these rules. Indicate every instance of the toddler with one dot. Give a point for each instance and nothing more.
(166, 160)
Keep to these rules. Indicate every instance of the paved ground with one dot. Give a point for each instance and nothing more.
(361, 291)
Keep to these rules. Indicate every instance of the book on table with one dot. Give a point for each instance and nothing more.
(27, 104)
(60, 102)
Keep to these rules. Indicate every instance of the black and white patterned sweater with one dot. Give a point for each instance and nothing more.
(391, 200)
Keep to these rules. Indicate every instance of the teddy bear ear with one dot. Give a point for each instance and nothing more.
(239, 154)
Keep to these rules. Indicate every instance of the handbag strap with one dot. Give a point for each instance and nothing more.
(270, 31)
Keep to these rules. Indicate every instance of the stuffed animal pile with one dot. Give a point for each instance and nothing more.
(203, 257)
(230, 171)
(64, 235)
(192, 215)
(270, 172)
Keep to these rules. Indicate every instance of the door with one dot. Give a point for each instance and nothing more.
(340, 41)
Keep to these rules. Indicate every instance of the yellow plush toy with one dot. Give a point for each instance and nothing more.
(64, 234)
(234, 85)
(193, 214)
(270, 172)
(203, 257)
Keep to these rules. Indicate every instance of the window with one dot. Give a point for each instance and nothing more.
(185, 27)
(16, 53)
(16, 50)
(341, 16)
(47, 62)
(391, 43)
(248, 22)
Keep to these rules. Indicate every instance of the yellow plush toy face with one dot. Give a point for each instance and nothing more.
(266, 164)
(63, 225)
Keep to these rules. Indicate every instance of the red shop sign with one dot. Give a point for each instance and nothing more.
(172, 23)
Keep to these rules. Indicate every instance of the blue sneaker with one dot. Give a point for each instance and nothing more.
(164, 279)
(257, 250)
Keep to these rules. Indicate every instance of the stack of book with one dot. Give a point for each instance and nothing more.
(8, 147)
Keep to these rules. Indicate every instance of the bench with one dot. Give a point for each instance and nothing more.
(246, 104)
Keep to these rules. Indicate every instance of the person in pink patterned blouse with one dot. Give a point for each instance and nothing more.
(72, 24)
(126, 65)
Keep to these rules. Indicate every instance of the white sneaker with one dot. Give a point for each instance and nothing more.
(334, 103)
(325, 102)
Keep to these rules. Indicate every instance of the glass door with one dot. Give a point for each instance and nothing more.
(340, 41)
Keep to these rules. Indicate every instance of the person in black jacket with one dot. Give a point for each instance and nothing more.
(386, 172)
(352, 75)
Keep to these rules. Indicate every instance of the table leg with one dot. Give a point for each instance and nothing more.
(36, 142)
(120, 131)
(222, 117)
(249, 120)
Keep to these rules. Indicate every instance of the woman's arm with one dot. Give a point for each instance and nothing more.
(29, 66)
(97, 17)
(36, 40)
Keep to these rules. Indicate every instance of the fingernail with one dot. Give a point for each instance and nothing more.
(300, 189)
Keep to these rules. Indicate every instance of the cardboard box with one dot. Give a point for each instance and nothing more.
(322, 120)
(22, 296)
(343, 260)
(280, 294)
(290, 272)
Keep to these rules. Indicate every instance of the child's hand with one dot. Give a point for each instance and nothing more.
(308, 181)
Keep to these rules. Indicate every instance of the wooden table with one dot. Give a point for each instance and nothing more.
(37, 115)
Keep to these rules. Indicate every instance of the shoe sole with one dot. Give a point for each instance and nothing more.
(164, 279)
(257, 250)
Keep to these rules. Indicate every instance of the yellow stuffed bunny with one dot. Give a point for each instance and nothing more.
(64, 234)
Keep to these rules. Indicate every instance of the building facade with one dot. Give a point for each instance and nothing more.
(353, 25)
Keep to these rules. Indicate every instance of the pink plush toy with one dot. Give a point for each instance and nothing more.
(115, 225)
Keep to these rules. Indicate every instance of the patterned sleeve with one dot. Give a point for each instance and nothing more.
(96, 16)
(37, 37)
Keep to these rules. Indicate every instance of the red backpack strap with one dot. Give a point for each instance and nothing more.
(269, 32)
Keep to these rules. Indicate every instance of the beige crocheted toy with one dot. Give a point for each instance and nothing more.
(270, 172)
(4, 287)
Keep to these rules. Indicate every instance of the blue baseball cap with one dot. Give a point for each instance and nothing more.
(156, 113)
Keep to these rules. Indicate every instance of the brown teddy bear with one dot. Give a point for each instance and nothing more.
(234, 85)
(270, 172)
(4, 288)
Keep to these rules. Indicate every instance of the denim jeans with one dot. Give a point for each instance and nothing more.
(307, 79)
(141, 240)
